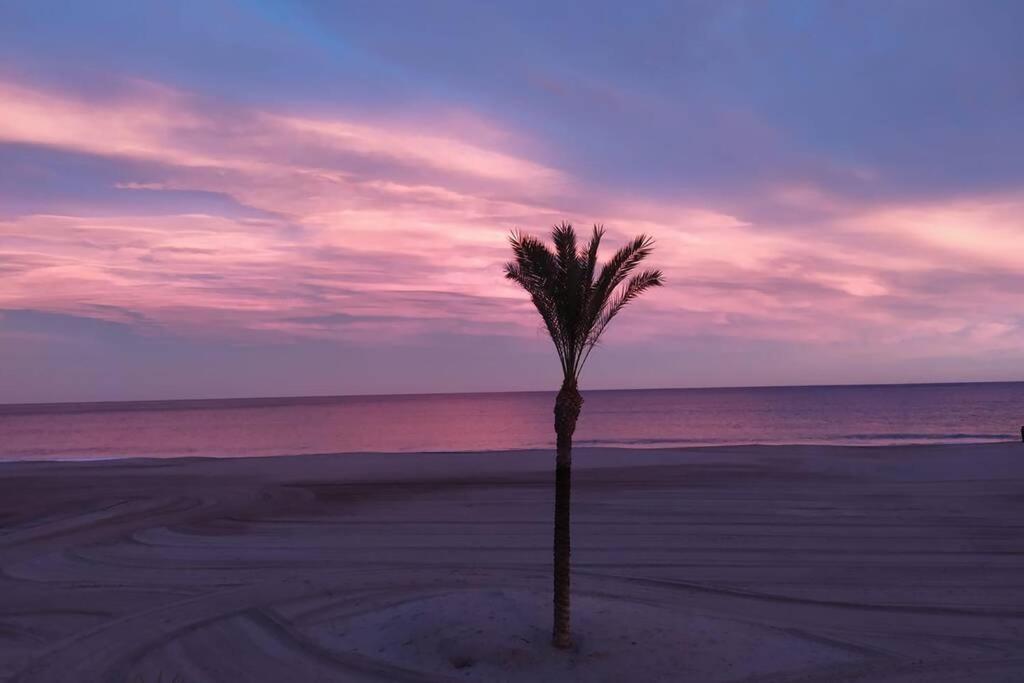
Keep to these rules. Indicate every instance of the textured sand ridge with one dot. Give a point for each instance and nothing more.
(732, 564)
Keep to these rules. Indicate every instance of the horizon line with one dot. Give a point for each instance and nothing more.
(10, 408)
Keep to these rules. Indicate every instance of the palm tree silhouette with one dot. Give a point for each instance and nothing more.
(576, 303)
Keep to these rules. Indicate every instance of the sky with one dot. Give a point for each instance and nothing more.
(212, 198)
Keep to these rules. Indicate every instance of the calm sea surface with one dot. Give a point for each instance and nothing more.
(927, 413)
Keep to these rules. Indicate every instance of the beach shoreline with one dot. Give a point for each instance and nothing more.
(880, 563)
(624, 449)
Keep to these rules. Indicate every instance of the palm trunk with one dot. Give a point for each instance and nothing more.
(567, 409)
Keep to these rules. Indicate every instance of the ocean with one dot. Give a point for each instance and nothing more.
(851, 415)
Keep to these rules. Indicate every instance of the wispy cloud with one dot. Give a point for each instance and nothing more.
(350, 226)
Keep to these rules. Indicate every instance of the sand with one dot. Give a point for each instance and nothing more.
(730, 564)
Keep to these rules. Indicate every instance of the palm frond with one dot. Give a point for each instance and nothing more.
(568, 289)
(564, 237)
(636, 286)
(620, 266)
(588, 257)
(536, 262)
(535, 269)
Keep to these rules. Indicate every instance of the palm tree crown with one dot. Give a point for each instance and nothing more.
(574, 299)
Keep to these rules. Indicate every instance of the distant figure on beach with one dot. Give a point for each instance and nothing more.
(576, 304)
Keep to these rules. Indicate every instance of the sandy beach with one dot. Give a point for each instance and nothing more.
(726, 564)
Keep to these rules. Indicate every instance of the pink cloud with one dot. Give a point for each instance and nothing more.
(389, 230)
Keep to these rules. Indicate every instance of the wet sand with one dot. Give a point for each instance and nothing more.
(729, 564)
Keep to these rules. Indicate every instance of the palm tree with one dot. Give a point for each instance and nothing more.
(576, 303)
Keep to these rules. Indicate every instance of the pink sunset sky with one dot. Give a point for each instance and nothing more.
(222, 199)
